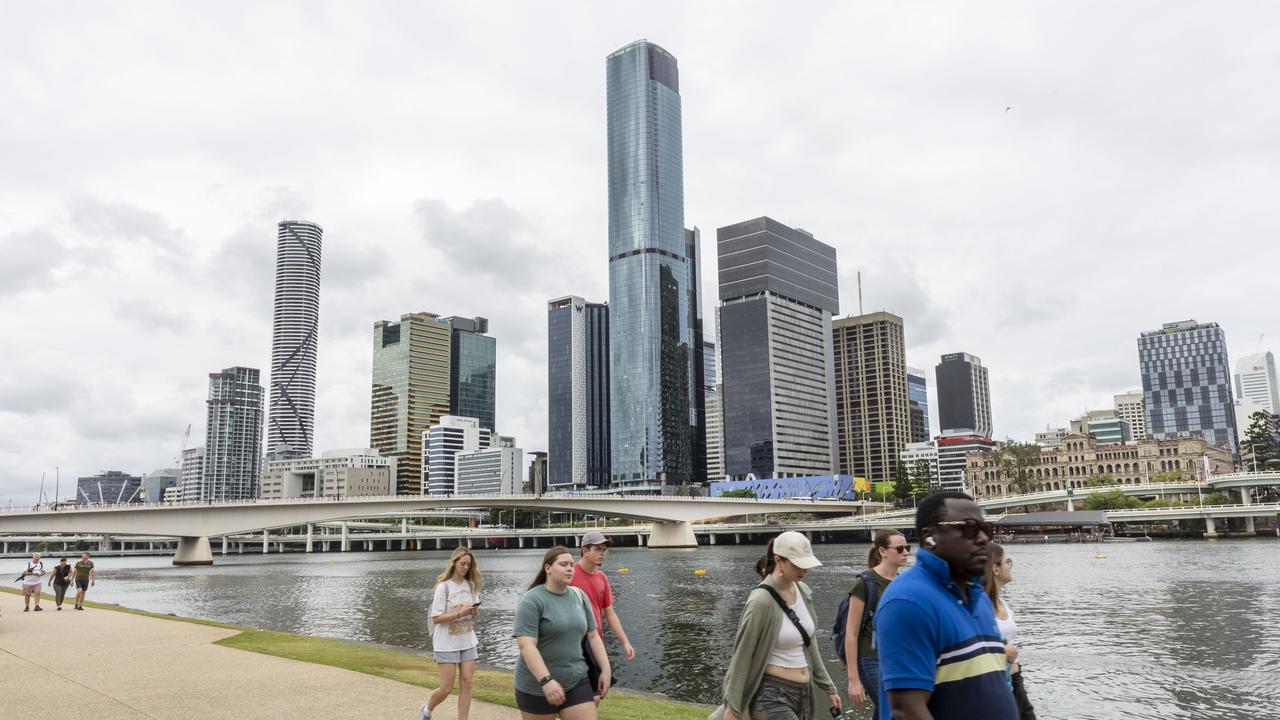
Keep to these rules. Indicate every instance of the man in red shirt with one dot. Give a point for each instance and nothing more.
(588, 577)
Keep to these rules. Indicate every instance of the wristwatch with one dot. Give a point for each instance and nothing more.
(545, 679)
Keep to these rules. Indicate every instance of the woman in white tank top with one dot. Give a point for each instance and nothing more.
(1000, 573)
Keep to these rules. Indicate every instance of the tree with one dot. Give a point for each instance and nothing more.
(1261, 446)
(1101, 480)
(1016, 461)
(1113, 500)
(923, 479)
(902, 488)
(1170, 476)
(741, 493)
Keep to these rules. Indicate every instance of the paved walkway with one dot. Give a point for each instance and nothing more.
(108, 665)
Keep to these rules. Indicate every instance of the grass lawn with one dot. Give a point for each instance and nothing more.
(493, 686)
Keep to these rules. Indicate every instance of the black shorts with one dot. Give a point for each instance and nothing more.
(82, 584)
(538, 705)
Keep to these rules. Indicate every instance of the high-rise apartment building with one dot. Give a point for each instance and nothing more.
(442, 443)
(1186, 382)
(1131, 408)
(473, 372)
(778, 291)
(577, 394)
(492, 471)
(918, 395)
(713, 411)
(192, 474)
(873, 413)
(233, 436)
(411, 384)
(964, 396)
(653, 361)
(1256, 381)
(295, 334)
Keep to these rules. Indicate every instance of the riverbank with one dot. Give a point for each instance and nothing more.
(114, 663)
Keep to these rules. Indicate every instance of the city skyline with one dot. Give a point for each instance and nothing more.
(154, 248)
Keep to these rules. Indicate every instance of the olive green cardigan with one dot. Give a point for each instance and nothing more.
(757, 632)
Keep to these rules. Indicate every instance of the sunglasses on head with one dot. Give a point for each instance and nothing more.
(904, 549)
(969, 527)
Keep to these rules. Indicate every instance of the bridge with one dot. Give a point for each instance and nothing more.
(193, 524)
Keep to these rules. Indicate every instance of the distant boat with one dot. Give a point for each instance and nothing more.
(1099, 556)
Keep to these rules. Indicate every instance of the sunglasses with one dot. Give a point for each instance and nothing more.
(904, 549)
(969, 527)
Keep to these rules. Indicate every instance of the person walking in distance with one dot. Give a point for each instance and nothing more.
(889, 554)
(454, 609)
(775, 670)
(85, 576)
(590, 579)
(60, 580)
(31, 582)
(941, 657)
(553, 622)
(1000, 573)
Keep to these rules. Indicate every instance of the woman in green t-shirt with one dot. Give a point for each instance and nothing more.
(551, 620)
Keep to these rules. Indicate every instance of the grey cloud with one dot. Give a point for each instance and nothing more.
(894, 284)
(110, 222)
(29, 259)
(489, 237)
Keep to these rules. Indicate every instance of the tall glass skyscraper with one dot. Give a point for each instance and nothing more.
(233, 436)
(411, 374)
(1186, 382)
(577, 394)
(473, 377)
(652, 365)
(918, 393)
(294, 337)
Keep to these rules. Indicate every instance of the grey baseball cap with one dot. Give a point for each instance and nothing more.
(594, 537)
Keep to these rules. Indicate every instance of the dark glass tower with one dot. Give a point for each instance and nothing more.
(473, 371)
(1186, 382)
(652, 364)
(577, 394)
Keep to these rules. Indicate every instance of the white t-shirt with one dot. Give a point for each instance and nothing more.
(788, 649)
(33, 579)
(1009, 627)
(451, 597)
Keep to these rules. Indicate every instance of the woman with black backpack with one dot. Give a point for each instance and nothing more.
(888, 555)
(776, 671)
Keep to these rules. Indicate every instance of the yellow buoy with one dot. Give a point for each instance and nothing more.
(699, 571)
(624, 571)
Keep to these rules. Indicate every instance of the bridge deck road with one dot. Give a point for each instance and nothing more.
(109, 665)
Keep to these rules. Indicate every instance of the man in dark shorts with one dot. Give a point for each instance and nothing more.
(85, 576)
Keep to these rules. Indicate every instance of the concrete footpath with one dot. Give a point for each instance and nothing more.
(108, 665)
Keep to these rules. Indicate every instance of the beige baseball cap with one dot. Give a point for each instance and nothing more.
(795, 547)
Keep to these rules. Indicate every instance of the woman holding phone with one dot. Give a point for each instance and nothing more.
(454, 610)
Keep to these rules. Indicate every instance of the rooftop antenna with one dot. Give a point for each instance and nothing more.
(1260, 336)
(859, 292)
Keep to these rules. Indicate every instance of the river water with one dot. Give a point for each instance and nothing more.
(1160, 630)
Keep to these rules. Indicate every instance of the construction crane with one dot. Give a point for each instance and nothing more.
(177, 459)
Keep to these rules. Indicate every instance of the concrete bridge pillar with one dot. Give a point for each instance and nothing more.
(104, 545)
(1071, 505)
(266, 541)
(1248, 525)
(711, 538)
(346, 537)
(1245, 499)
(311, 535)
(193, 551)
(1210, 530)
(737, 539)
(224, 545)
(672, 535)
(519, 542)
(639, 540)
(404, 525)
(437, 543)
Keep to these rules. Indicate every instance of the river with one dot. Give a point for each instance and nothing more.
(1160, 630)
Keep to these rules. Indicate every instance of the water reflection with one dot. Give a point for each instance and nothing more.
(1156, 630)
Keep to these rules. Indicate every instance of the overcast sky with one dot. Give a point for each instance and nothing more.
(455, 155)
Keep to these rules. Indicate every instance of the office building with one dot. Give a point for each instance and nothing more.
(713, 410)
(192, 474)
(577, 394)
(1186, 382)
(233, 436)
(1256, 381)
(1109, 430)
(653, 361)
(964, 397)
(411, 383)
(918, 395)
(441, 444)
(537, 483)
(778, 291)
(1052, 437)
(493, 471)
(157, 481)
(953, 448)
(473, 370)
(1131, 408)
(1079, 459)
(1080, 425)
(873, 414)
(295, 334)
(356, 472)
(915, 453)
(112, 487)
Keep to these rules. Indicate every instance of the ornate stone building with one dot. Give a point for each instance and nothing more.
(1079, 459)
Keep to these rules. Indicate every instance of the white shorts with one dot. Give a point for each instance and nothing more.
(454, 657)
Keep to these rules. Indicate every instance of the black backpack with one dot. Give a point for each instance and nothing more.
(872, 595)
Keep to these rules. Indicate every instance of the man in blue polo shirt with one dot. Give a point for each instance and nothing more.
(941, 657)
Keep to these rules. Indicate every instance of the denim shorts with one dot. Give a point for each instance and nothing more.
(453, 657)
(779, 699)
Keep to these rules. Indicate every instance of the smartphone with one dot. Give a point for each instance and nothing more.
(475, 604)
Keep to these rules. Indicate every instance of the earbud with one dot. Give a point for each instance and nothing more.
(930, 542)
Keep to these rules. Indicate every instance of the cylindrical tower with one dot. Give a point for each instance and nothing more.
(294, 339)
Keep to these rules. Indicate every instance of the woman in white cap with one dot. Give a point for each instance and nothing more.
(776, 671)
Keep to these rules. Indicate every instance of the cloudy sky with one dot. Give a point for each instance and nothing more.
(455, 155)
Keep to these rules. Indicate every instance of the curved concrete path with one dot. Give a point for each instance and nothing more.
(108, 665)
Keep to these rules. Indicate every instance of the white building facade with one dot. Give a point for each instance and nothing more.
(495, 471)
(441, 444)
(358, 472)
(1130, 408)
(1256, 381)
